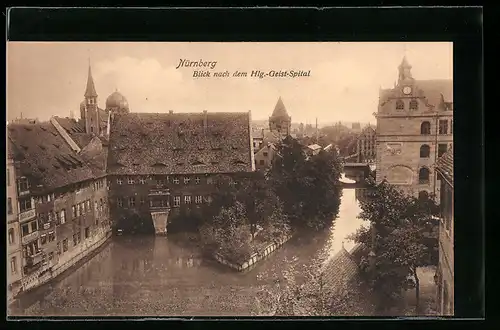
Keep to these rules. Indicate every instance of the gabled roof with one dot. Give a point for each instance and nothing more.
(444, 165)
(314, 147)
(75, 130)
(181, 142)
(436, 90)
(48, 159)
(280, 110)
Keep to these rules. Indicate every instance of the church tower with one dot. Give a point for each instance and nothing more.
(404, 72)
(89, 111)
(280, 121)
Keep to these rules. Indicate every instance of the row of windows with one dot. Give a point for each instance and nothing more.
(188, 199)
(166, 180)
(400, 105)
(425, 150)
(425, 127)
(29, 227)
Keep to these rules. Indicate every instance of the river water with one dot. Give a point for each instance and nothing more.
(164, 276)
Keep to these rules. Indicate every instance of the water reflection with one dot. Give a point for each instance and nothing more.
(159, 276)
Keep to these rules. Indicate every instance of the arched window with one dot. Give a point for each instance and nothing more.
(413, 105)
(425, 151)
(425, 128)
(423, 195)
(423, 175)
(400, 105)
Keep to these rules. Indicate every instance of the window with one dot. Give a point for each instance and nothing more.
(88, 205)
(210, 180)
(142, 181)
(9, 205)
(423, 175)
(131, 201)
(198, 199)
(13, 265)
(176, 180)
(12, 237)
(400, 105)
(131, 181)
(159, 182)
(78, 209)
(142, 201)
(186, 180)
(425, 151)
(265, 154)
(75, 240)
(208, 199)
(413, 105)
(101, 205)
(187, 199)
(24, 204)
(65, 245)
(51, 255)
(443, 127)
(119, 201)
(22, 185)
(52, 236)
(425, 128)
(79, 236)
(43, 239)
(177, 201)
(96, 207)
(442, 148)
(73, 211)
(451, 127)
(87, 232)
(34, 226)
(261, 162)
(197, 180)
(119, 181)
(63, 216)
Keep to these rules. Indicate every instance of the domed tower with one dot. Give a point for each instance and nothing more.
(116, 103)
(280, 121)
(89, 112)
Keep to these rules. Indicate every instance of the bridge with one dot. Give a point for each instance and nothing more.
(355, 170)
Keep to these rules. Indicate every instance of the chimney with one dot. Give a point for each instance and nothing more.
(205, 115)
(262, 133)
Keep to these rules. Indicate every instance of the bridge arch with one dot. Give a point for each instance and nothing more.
(400, 175)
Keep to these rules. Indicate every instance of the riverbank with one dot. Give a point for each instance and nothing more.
(52, 271)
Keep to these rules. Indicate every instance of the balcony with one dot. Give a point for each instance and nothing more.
(27, 215)
(159, 192)
(35, 259)
(24, 192)
(30, 237)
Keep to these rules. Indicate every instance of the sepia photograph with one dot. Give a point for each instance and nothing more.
(212, 179)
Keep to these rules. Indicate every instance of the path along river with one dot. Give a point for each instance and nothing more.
(158, 276)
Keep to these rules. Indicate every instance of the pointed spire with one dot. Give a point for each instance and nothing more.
(90, 90)
(279, 109)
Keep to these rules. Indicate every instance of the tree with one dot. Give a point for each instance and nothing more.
(403, 237)
(309, 188)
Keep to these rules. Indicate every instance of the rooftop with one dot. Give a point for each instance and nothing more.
(180, 143)
(444, 165)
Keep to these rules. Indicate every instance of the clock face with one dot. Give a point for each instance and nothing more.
(407, 90)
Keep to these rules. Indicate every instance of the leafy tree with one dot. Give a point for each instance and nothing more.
(403, 237)
(309, 188)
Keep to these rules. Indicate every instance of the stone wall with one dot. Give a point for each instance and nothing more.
(254, 258)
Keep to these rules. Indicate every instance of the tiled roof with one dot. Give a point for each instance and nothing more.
(48, 159)
(436, 90)
(279, 110)
(76, 130)
(180, 143)
(96, 156)
(342, 273)
(445, 165)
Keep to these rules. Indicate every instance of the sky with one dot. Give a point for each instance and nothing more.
(49, 79)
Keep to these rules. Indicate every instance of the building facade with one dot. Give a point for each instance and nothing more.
(366, 145)
(264, 157)
(62, 193)
(160, 163)
(414, 129)
(445, 271)
(14, 259)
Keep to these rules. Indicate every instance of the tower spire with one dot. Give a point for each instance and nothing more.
(90, 90)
